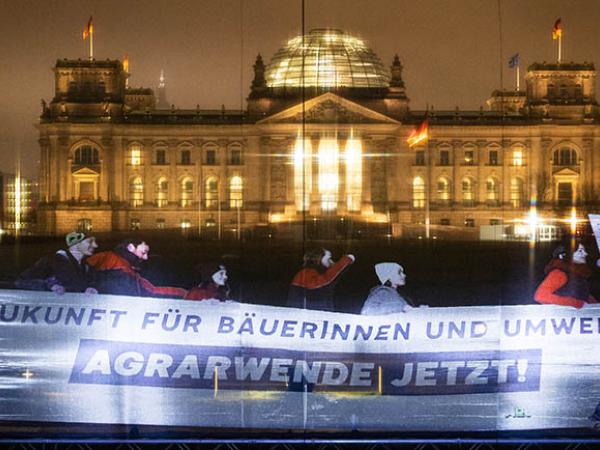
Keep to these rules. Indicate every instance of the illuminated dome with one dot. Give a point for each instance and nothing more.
(333, 59)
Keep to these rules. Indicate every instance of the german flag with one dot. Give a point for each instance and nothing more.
(557, 29)
(89, 29)
(419, 134)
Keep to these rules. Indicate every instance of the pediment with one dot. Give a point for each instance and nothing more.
(565, 172)
(85, 171)
(329, 108)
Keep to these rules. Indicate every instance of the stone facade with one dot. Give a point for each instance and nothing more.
(108, 164)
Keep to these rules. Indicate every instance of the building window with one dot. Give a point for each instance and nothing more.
(87, 191)
(443, 191)
(185, 224)
(445, 222)
(134, 225)
(444, 158)
(495, 222)
(419, 158)
(492, 192)
(469, 222)
(564, 157)
(210, 223)
(235, 192)
(135, 155)
(493, 158)
(236, 157)
(578, 92)
(516, 193)
(210, 155)
(469, 157)
(162, 192)
(84, 225)
(550, 90)
(160, 224)
(563, 91)
(86, 155)
(136, 192)
(186, 157)
(187, 192)
(468, 192)
(418, 193)
(565, 194)
(161, 157)
(517, 157)
(211, 193)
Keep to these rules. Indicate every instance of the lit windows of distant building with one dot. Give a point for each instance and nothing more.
(235, 192)
(418, 187)
(136, 192)
(135, 155)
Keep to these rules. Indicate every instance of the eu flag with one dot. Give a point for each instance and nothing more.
(513, 61)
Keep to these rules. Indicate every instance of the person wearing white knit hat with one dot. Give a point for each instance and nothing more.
(384, 298)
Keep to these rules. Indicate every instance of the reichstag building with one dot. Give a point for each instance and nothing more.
(322, 138)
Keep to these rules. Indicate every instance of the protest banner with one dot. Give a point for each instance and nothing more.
(126, 360)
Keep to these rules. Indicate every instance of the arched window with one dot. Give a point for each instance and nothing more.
(492, 191)
(211, 192)
(418, 192)
(565, 156)
(86, 154)
(235, 192)
(136, 192)
(135, 155)
(468, 192)
(186, 192)
(516, 192)
(162, 192)
(443, 191)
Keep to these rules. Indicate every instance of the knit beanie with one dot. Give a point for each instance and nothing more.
(74, 238)
(386, 270)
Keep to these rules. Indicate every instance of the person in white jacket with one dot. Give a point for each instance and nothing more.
(384, 298)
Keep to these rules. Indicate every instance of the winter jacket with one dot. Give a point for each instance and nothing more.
(316, 284)
(384, 300)
(565, 284)
(61, 268)
(207, 290)
(116, 273)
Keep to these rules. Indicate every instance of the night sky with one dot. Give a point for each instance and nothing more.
(452, 50)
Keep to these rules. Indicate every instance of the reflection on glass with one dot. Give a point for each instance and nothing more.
(328, 173)
(302, 180)
(353, 173)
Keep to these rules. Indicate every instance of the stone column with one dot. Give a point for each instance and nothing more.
(106, 174)
(223, 178)
(64, 177)
(118, 168)
(173, 181)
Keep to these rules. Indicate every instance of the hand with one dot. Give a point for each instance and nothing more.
(57, 289)
(352, 257)
(91, 291)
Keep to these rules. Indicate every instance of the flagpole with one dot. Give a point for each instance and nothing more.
(91, 45)
(429, 161)
(559, 47)
(518, 77)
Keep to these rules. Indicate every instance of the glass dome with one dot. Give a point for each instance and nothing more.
(333, 59)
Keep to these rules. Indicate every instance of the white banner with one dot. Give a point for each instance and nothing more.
(126, 360)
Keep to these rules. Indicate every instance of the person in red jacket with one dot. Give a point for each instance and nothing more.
(213, 288)
(313, 286)
(566, 282)
(117, 272)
